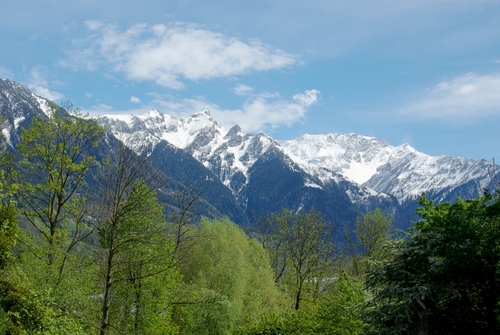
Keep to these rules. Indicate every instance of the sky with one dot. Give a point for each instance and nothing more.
(425, 72)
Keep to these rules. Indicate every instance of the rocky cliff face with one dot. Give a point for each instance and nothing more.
(17, 106)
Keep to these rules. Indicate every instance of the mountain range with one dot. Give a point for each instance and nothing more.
(245, 175)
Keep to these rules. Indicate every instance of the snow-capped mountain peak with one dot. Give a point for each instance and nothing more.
(340, 174)
(152, 127)
(400, 170)
(354, 156)
(223, 152)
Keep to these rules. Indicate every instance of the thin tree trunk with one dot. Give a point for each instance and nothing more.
(107, 294)
(137, 307)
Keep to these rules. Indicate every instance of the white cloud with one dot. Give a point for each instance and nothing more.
(135, 100)
(464, 97)
(89, 95)
(307, 98)
(170, 54)
(258, 113)
(39, 85)
(94, 24)
(242, 89)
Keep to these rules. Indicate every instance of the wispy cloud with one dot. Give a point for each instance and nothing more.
(170, 54)
(5, 73)
(470, 96)
(39, 85)
(135, 100)
(242, 89)
(258, 113)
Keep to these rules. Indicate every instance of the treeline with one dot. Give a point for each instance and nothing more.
(87, 248)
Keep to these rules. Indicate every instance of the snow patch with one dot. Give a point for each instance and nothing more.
(18, 121)
(312, 185)
(44, 105)
(6, 133)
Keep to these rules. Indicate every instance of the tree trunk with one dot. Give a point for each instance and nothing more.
(107, 294)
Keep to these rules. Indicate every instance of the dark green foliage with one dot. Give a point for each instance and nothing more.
(26, 311)
(21, 307)
(8, 232)
(445, 277)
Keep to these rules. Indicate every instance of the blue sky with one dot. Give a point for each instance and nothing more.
(421, 72)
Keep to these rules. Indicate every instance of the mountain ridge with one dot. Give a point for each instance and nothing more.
(341, 175)
(370, 162)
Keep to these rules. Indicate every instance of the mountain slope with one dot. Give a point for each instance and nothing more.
(256, 168)
(247, 175)
(19, 105)
(400, 171)
(327, 168)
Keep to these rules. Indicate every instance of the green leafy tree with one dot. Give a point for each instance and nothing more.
(339, 312)
(8, 211)
(56, 155)
(336, 313)
(301, 251)
(372, 233)
(37, 284)
(8, 219)
(139, 273)
(34, 294)
(230, 280)
(444, 278)
(8, 232)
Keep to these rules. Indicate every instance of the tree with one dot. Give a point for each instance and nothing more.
(336, 313)
(8, 211)
(372, 232)
(8, 232)
(136, 256)
(444, 278)
(182, 203)
(56, 155)
(339, 312)
(229, 279)
(302, 253)
(8, 218)
(24, 307)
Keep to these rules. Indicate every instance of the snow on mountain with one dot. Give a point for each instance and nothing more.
(225, 153)
(400, 171)
(321, 170)
(143, 132)
(373, 164)
(408, 177)
(355, 157)
(17, 105)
